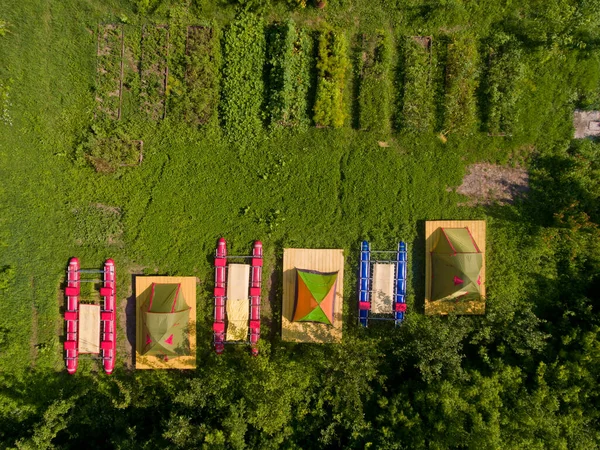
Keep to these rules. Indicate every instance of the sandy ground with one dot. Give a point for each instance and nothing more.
(486, 183)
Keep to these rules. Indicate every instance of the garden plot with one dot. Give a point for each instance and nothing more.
(331, 79)
(503, 86)
(107, 155)
(109, 70)
(290, 61)
(460, 109)
(418, 109)
(374, 93)
(244, 49)
(202, 75)
(154, 70)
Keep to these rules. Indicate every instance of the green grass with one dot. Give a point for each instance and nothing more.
(323, 188)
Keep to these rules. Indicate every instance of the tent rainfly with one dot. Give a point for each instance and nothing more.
(165, 318)
(315, 296)
(456, 266)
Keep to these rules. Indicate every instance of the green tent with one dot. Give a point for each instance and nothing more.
(315, 296)
(456, 266)
(165, 318)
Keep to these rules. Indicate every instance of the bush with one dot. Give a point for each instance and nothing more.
(418, 111)
(460, 111)
(290, 51)
(243, 90)
(374, 94)
(331, 77)
(503, 84)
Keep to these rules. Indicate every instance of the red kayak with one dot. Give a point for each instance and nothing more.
(108, 318)
(71, 344)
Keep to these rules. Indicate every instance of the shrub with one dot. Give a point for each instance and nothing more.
(290, 51)
(502, 84)
(460, 111)
(418, 111)
(374, 93)
(243, 90)
(331, 77)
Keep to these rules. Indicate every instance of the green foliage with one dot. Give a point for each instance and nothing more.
(153, 71)
(460, 107)
(418, 112)
(4, 25)
(7, 276)
(202, 75)
(109, 148)
(332, 65)
(5, 103)
(525, 375)
(98, 225)
(503, 84)
(290, 60)
(242, 88)
(375, 95)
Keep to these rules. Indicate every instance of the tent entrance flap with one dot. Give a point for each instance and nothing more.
(383, 288)
(238, 302)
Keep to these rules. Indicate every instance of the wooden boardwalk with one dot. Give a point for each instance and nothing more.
(311, 259)
(432, 234)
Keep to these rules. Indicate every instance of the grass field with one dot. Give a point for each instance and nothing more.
(315, 187)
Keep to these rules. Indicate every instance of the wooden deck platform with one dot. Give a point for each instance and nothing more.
(142, 291)
(311, 259)
(89, 328)
(432, 231)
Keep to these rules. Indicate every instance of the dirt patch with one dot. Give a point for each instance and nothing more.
(485, 184)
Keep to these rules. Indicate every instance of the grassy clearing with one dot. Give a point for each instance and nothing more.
(295, 187)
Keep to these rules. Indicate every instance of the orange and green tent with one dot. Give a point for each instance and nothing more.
(315, 296)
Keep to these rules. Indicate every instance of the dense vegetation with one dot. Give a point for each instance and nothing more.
(375, 94)
(332, 64)
(525, 375)
(460, 106)
(290, 55)
(242, 98)
(418, 109)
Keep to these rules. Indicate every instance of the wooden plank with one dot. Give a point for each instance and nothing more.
(142, 292)
(329, 260)
(89, 328)
(383, 288)
(432, 234)
(238, 301)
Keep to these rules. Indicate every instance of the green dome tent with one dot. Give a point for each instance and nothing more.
(456, 266)
(315, 296)
(165, 318)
